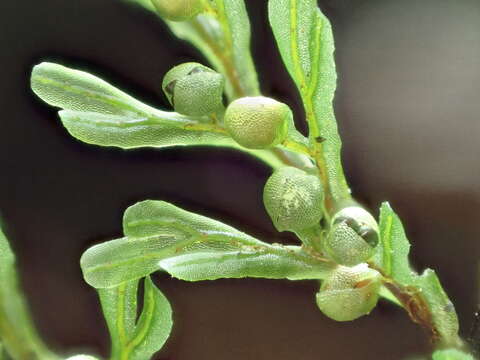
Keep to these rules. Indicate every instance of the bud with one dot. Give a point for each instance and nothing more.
(258, 122)
(353, 236)
(194, 89)
(178, 10)
(293, 199)
(349, 293)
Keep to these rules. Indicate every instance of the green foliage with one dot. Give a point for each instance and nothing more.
(258, 122)
(392, 258)
(161, 236)
(305, 40)
(349, 293)
(194, 89)
(97, 113)
(132, 339)
(306, 194)
(293, 199)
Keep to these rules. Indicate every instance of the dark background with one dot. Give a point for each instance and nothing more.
(407, 106)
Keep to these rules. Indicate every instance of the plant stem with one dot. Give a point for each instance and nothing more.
(225, 57)
(17, 331)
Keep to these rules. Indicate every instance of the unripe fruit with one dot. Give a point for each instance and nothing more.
(178, 10)
(258, 122)
(349, 293)
(293, 199)
(194, 89)
(353, 236)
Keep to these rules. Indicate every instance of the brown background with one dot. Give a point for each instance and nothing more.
(407, 105)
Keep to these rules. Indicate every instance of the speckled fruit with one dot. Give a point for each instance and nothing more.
(194, 89)
(349, 292)
(293, 199)
(353, 236)
(258, 122)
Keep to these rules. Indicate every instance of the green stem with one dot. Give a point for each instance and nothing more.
(17, 332)
(225, 59)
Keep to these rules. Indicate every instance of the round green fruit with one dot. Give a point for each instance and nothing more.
(349, 292)
(194, 89)
(178, 10)
(258, 122)
(293, 199)
(353, 236)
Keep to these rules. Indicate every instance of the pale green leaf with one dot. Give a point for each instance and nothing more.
(305, 40)
(131, 339)
(392, 260)
(119, 305)
(394, 247)
(443, 311)
(154, 325)
(76, 90)
(191, 247)
(128, 133)
(451, 354)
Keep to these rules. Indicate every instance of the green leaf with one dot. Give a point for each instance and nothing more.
(451, 354)
(305, 40)
(76, 90)
(131, 339)
(119, 305)
(154, 325)
(17, 332)
(128, 133)
(392, 260)
(394, 247)
(191, 247)
(443, 311)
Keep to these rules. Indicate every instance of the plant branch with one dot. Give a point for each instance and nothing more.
(224, 56)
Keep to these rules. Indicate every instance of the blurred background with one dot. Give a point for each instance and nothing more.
(407, 104)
